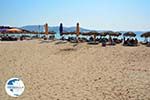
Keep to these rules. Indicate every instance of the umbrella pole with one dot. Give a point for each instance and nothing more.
(77, 38)
(94, 37)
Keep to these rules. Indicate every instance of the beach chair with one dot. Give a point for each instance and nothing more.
(148, 44)
(93, 43)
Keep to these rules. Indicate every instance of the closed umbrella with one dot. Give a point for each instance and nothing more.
(61, 29)
(78, 29)
(46, 29)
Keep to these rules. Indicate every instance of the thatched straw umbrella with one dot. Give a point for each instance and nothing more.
(94, 33)
(85, 34)
(118, 34)
(146, 34)
(114, 33)
(91, 33)
(130, 34)
(110, 33)
(103, 34)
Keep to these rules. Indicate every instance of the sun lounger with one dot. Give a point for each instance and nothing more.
(8, 38)
(148, 44)
(93, 43)
(144, 43)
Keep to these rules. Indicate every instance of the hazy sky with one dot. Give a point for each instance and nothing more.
(93, 14)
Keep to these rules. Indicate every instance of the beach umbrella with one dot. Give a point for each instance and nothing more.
(3, 30)
(118, 33)
(94, 33)
(14, 30)
(111, 33)
(46, 28)
(61, 29)
(146, 34)
(131, 34)
(85, 33)
(78, 29)
(103, 34)
(90, 33)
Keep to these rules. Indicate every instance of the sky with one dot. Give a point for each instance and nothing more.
(119, 15)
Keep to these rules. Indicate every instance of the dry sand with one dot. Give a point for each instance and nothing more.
(52, 71)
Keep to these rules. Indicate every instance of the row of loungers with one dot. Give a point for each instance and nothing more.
(91, 41)
(104, 41)
(8, 38)
(100, 40)
(23, 37)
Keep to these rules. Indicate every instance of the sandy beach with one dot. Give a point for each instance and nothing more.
(54, 71)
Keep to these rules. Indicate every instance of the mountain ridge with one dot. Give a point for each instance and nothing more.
(40, 28)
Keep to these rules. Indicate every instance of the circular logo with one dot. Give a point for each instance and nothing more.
(14, 87)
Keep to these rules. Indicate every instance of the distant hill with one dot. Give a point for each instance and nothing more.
(66, 29)
(54, 28)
